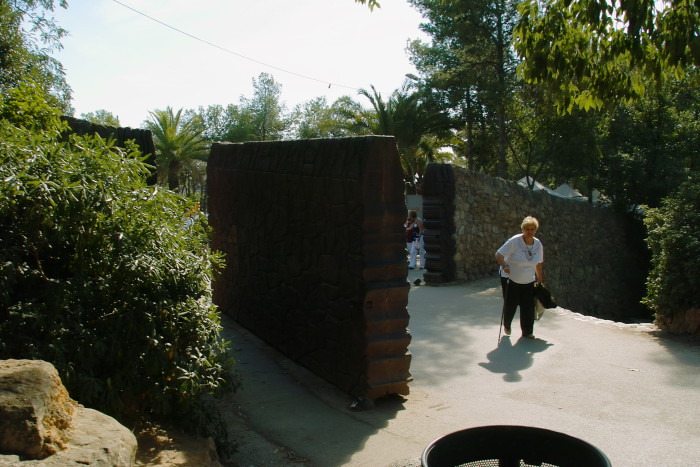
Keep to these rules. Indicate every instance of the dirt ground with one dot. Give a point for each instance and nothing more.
(162, 447)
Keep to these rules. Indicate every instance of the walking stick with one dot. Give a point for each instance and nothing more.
(503, 310)
(501, 325)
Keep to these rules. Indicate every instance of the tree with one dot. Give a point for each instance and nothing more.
(370, 3)
(102, 117)
(217, 121)
(232, 123)
(25, 54)
(260, 118)
(382, 121)
(352, 117)
(264, 111)
(316, 119)
(594, 53)
(651, 146)
(410, 117)
(470, 61)
(179, 145)
(13, 48)
(552, 148)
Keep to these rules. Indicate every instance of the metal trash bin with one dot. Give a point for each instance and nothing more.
(511, 446)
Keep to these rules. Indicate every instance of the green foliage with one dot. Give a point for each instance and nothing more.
(263, 117)
(351, 118)
(13, 48)
(179, 147)
(316, 119)
(549, 147)
(311, 120)
(24, 105)
(102, 117)
(596, 53)
(633, 153)
(265, 110)
(370, 3)
(217, 121)
(673, 285)
(27, 37)
(99, 276)
(649, 147)
(410, 116)
(471, 62)
(257, 119)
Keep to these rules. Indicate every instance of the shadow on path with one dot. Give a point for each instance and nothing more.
(510, 359)
(293, 407)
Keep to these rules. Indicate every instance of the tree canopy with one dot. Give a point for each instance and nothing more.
(179, 144)
(470, 61)
(27, 37)
(370, 3)
(102, 117)
(412, 118)
(259, 118)
(594, 53)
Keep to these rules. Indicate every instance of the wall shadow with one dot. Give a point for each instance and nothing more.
(305, 416)
(454, 329)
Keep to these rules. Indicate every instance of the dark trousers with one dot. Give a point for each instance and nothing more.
(519, 295)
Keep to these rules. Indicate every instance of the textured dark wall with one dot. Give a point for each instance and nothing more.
(316, 257)
(438, 221)
(144, 138)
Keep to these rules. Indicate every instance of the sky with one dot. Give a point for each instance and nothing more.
(191, 53)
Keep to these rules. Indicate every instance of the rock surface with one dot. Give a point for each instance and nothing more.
(35, 409)
(40, 425)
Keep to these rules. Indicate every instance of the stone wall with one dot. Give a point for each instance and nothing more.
(593, 259)
(315, 254)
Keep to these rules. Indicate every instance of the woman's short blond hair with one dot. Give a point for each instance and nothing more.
(529, 220)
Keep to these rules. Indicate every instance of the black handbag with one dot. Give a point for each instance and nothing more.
(544, 296)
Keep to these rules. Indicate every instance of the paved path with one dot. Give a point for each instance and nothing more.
(622, 388)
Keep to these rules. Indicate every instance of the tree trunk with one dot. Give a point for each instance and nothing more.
(502, 141)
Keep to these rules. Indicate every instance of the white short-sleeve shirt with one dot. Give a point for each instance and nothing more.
(522, 258)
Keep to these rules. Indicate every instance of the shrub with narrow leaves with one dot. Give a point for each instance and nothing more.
(673, 285)
(99, 274)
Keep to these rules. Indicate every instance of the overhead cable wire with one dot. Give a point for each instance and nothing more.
(329, 83)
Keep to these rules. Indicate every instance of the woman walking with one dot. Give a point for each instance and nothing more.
(520, 260)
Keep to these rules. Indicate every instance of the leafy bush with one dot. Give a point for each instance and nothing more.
(673, 285)
(98, 273)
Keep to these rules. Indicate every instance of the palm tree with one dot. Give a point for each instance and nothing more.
(382, 122)
(409, 117)
(180, 147)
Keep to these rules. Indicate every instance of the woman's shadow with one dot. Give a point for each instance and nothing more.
(510, 359)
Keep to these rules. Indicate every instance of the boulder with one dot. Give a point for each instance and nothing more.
(40, 425)
(35, 409)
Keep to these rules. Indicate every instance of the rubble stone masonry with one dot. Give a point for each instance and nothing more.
(594, 259)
